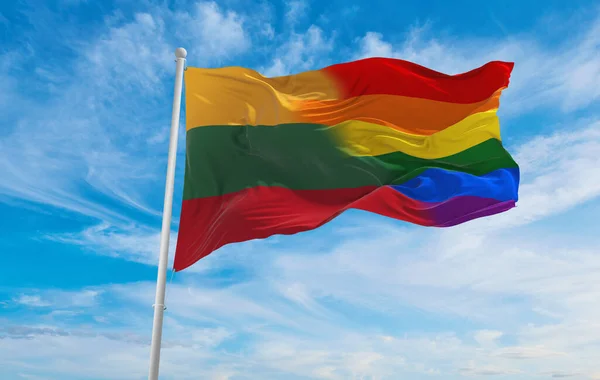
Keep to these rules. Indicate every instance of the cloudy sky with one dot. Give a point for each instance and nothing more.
(86, 92)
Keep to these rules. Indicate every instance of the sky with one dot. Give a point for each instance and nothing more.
(87, 89)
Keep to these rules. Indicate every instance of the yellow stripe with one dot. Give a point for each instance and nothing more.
(360, 138)
(236, 95)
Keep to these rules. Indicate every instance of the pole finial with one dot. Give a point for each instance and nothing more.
(180, 53)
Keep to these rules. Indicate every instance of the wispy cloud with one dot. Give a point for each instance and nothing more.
(302, 51)
(486, 370)
(34, 301)
(214, 33)
(210, 332)
(89, 149)
(296, 9)
(527, 353)
(132, 243)
(487, 338)
(58, 299)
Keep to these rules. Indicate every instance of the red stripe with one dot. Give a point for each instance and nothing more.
(389, 76)
(255, 213)
(207, 224)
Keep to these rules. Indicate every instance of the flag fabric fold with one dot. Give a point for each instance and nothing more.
(267, 156)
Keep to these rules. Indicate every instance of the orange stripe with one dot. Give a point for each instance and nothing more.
(411, 115)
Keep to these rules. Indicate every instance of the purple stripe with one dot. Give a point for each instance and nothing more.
(462, 209)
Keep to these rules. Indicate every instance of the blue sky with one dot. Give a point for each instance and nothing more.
(86, 107)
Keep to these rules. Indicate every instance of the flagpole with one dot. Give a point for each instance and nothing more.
(161, 281)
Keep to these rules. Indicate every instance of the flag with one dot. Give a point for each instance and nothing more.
(282, 155)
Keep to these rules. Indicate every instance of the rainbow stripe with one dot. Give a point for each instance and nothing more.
(282, 155)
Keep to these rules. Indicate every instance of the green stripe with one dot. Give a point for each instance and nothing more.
(226, 159)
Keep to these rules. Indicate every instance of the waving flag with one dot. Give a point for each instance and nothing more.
(282, 155)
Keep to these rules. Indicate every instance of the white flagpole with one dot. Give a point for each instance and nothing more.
(161, 281)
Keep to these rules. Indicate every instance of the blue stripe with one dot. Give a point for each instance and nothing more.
(439, 185)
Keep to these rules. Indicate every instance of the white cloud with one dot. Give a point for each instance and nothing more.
(191, 349)
(572, 154)
(59, 299)
(57, 150)
(527, 353)
(475, 370)
(301, 52)
(135, 52)
(563, 374)
(296, 9)
(297, 330)
(213, 33)
(90, 139)
(372, 45)
(7, 81)
(132, 243)
(33, 301)
(487, 338)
